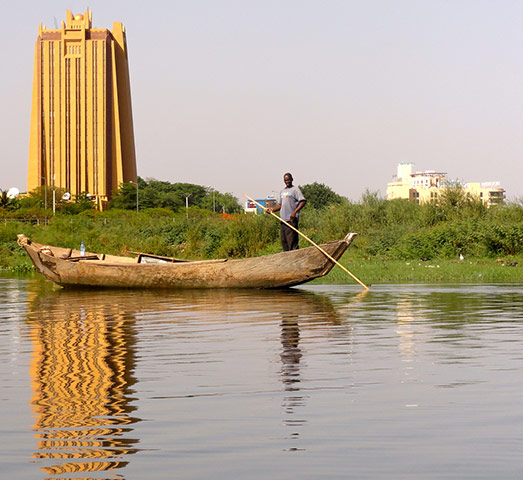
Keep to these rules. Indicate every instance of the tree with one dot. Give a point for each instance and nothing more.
(82, 202)
(8, 203)
(452, 195)
(455, 203)
(125, 196)
(154, 193)
(319, 195)
(227, 203)
(38, 197)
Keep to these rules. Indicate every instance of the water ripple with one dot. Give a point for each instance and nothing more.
(225, 383)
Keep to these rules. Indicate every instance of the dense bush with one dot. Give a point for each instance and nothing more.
(319, 195)
(394, 230)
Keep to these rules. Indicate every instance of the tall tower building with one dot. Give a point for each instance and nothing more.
(82, 136)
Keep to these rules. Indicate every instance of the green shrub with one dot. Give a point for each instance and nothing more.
(399, 229)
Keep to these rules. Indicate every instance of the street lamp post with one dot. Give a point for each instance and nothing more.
(213, 198)
(54, 195)
(187, 205)
(137, 203)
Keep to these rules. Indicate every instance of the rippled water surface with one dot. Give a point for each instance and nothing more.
(405, 381)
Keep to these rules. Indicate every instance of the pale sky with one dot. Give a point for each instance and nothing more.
(234, 93)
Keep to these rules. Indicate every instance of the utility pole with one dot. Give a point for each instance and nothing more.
(45, 192)
(187, 205)
(213, 198)
(54, 194)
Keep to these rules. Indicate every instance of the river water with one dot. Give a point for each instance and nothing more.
(405, 381)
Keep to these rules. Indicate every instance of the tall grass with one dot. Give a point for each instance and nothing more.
(394, 236)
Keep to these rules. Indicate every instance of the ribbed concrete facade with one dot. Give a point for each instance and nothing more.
(82, 136)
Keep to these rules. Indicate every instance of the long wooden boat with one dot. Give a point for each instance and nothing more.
(67, 267)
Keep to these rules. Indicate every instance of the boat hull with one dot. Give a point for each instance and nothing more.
(285, 269)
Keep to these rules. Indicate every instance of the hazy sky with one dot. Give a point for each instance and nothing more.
(232, 94)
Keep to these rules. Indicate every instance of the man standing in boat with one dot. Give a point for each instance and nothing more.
(291, 202)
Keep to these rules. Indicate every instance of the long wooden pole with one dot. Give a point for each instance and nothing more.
(307, 238)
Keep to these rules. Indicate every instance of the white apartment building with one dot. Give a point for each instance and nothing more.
(427, 186)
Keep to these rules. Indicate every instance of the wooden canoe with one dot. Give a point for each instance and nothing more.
(66, 267)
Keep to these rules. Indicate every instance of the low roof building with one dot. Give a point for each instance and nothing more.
(427, 186)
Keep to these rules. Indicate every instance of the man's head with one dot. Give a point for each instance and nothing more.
(287, 179)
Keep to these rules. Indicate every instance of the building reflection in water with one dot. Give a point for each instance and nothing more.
(406, 320)
(82, 377)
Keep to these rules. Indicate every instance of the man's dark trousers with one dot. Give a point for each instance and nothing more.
(289, 238)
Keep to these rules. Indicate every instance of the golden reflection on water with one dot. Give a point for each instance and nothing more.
(84, 371)
(81, 372)
(83, 362)
(406, 318)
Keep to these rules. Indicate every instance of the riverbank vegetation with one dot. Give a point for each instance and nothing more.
(456, 240)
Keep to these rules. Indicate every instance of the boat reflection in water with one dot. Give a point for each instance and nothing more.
(85, 354)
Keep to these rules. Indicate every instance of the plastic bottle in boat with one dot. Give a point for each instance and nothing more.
(82, 249)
